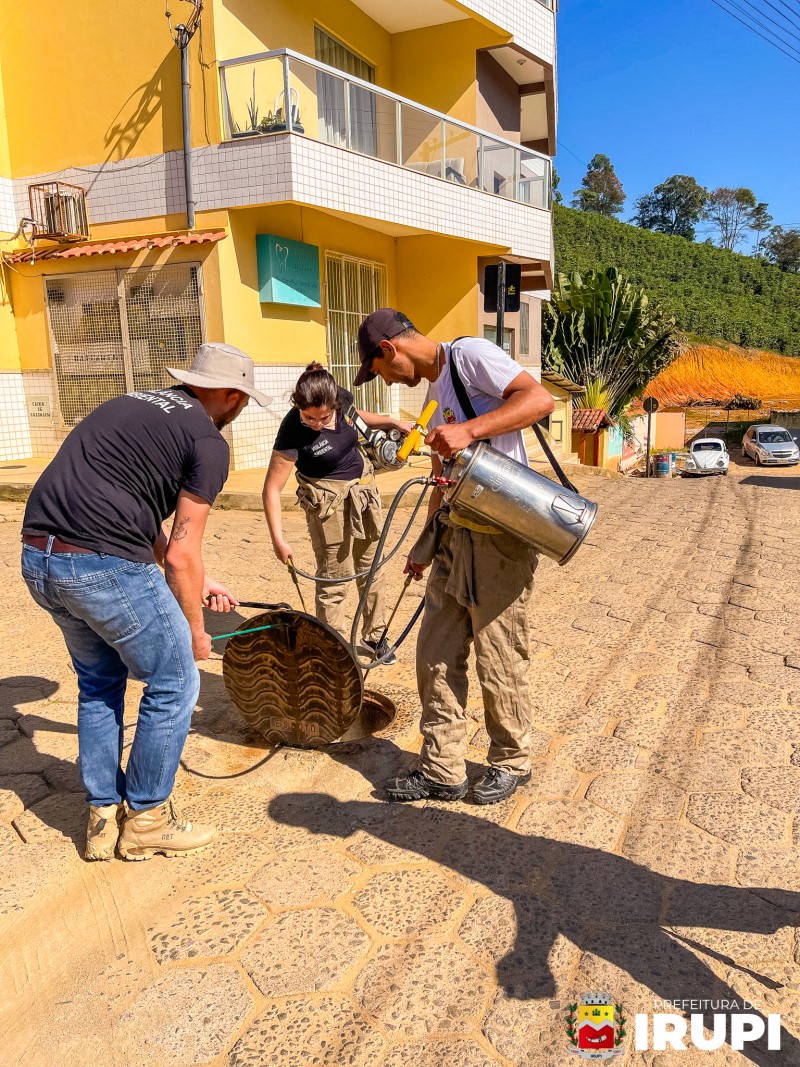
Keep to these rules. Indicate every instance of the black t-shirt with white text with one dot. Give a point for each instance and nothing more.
(118, 474)
(322, 453)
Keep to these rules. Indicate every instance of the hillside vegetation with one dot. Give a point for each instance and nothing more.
(713, 293)
(704, 374)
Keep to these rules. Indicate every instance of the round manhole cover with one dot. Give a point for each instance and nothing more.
(296, 683)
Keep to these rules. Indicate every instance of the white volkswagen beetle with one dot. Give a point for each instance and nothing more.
(707, 455)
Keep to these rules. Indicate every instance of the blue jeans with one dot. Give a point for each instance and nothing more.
(120, 618)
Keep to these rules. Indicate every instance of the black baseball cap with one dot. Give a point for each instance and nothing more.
(381, 325)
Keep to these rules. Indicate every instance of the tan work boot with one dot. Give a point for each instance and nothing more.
(161, 829)
(103, 831)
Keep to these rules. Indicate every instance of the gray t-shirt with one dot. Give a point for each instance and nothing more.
(486, 372)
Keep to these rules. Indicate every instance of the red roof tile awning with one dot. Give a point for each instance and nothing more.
(590, 420)
(104, 248)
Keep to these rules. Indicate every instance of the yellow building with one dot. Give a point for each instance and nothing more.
(338, 157)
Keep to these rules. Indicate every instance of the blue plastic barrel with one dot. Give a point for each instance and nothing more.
(664, 465)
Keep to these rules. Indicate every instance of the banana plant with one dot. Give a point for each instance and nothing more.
(602, 331)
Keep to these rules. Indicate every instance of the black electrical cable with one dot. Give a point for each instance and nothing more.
(755, 31)
(376, 563)
(769, 18)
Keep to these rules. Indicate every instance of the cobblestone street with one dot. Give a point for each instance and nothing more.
(655, 853)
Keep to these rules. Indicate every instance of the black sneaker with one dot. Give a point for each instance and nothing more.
(496, 785)
(413, 785)
(378, 650)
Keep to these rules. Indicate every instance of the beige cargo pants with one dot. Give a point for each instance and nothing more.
(479, 589)
(344, 522)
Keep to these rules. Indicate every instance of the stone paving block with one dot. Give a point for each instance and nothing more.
(327, 1032)
(389, 836)
(229, 859)
(746, 694)
(782, 724)
(770, 868)
(492, 856)
(20, 791)
(301, 878)
(212, 925)
(290, 816)
(692, 770)
(525, 941)
(677, 851)
(58, 819)
(742, 747)
(705, 714)
(186, 1017)
(629, 794)
(439, 1053)
(422, 988)
(594, 887)
(305, 952)
(22, 757)
(620, 702)
(734, 922)
(8, 732)
(776, 786)
(653, 732)
(738, 819)
(245, 812)
(551, 781)
(408, 903)
(529, 1033)
(597, 753)
(64, 777)
(574, 821)
(561, 718)
(671, 686)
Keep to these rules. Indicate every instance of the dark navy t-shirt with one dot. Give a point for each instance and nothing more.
(118, 474)
(322, 453)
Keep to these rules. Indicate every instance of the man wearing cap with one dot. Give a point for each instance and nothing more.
(481, 580)
(92, 538)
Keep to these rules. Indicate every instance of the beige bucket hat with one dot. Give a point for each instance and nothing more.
(220, 366)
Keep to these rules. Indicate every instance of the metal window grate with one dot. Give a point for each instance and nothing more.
(115, 331)
(354, 288)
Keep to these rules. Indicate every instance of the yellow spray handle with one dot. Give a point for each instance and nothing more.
(417, 435)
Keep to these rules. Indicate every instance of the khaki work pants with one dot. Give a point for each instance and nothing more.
(344, 539)
(478, 591)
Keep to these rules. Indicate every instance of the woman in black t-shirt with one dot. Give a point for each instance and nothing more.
(336, 489)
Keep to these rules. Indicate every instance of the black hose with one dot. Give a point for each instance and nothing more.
(377, 563)
(383, 562)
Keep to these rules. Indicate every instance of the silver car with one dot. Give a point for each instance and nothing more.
(771, 446)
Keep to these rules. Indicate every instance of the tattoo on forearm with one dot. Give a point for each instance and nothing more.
(180, 531)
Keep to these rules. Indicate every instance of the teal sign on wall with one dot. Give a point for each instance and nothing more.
(288, 271)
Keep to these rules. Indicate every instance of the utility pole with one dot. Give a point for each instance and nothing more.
(501, 302)
(181, 36)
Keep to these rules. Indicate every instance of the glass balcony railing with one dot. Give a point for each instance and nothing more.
(273, 92)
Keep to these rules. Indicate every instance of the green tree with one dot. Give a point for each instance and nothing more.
(603, 332)
(601, 190)
(729, 211)
(558, 198)
(782, 248)
(760, 222)
(673, 207)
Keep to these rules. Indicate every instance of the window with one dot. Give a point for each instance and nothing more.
(354, 288)
(334, 110)
(490, 333)
(115, 331)
(524, 328)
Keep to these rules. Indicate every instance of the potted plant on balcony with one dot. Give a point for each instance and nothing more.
(252, 117)
(267, 124)
(280, 112)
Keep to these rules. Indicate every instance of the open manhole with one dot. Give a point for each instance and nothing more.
(298, 684)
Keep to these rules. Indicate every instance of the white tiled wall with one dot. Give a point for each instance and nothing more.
(531, 23)
(15, 438)
(265, 170)
(8, 212)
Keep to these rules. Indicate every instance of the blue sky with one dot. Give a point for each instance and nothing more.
(677, 87)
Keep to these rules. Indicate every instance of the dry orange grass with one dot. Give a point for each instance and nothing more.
(705, 374)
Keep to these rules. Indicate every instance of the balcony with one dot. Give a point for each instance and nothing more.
(342, 111)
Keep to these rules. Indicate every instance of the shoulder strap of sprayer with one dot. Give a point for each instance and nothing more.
(469, 411)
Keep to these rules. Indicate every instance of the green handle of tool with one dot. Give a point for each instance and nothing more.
(241, 633)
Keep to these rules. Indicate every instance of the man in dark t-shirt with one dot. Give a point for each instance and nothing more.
(92, 541)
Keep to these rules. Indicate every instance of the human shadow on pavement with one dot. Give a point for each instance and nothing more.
(618, 911)
(50, 783)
